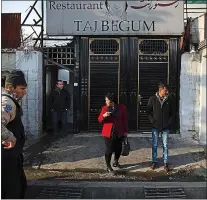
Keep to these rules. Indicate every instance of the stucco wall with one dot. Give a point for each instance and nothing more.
(31, 65)
(202, 109)
(8, 60)
(193, 97)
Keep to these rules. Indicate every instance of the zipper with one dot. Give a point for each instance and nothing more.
(162, 103)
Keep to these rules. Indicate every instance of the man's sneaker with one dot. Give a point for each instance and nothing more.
(153, 165)
(166, 167)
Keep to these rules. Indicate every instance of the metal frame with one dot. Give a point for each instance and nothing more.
(138, 73)
(38, 23)
(89, 67)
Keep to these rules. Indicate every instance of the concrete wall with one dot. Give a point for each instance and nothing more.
(202, 108)
(8, 60)
(31, 65)
(199, 29)
(193, 97)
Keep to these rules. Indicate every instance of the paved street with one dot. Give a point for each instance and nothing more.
(84, 153)
(73, 166)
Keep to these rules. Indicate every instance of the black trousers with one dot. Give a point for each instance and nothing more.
(113, 145)
(13, 179)
(59, 116)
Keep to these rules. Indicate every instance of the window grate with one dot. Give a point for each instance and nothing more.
(153, 47)
(61, 55)
(103, 46)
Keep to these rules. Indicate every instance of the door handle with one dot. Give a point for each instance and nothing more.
(142, 111)
(140, 99)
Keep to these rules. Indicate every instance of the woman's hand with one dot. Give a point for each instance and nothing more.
(106, 114)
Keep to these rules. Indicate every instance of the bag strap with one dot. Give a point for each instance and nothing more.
(14, 100)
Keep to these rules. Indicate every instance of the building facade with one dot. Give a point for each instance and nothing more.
(130, 67)
(124, 47)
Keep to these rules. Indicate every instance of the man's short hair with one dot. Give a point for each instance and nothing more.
(162, 86)
(58, 81)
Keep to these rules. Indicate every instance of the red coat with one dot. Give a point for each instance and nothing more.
(121, 121)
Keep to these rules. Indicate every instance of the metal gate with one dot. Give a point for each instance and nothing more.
(131, 68)
(103, 76)
(153, 67)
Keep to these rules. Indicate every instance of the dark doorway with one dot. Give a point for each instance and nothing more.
(103, 76)
(153, 57)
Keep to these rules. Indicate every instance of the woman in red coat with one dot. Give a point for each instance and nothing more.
(115, 128)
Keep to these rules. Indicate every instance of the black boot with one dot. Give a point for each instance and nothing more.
(116, 164)
(108, 163)
(109, 169)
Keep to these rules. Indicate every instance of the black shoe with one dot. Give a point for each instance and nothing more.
(110, 169)
(166, 167)
(153, 165)
(116, 164)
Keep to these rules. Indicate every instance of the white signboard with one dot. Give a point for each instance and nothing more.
(105, 17)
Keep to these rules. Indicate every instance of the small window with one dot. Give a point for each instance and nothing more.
(104, 46)
(153, 47)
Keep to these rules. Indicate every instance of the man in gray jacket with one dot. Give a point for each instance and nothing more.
(13, 180)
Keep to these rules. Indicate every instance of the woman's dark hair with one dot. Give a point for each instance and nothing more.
(112, 97)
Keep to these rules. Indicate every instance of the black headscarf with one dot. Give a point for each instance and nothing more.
(15, 78)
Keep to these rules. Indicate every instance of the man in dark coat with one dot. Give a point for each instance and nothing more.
(161, 112)
(13, 180)
(60, 102)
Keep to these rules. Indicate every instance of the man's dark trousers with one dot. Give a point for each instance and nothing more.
(59, 116)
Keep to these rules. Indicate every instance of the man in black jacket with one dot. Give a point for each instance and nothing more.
(161, 112)
(59, 104)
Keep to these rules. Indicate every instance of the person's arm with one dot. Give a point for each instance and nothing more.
(68, 100)
(50, 101)
(149, 111)
(8, 113)
(104, 116)
(172, 113)
(101, 117)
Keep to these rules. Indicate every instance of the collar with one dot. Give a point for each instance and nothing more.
(164, 98)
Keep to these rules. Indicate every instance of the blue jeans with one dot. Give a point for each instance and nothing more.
(155, 136)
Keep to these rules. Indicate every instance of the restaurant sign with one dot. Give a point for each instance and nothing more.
(142, 17)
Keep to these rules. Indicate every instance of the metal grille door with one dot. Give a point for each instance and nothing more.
(103, 76)
(153, 68)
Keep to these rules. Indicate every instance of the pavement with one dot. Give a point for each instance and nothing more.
(84, 152)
